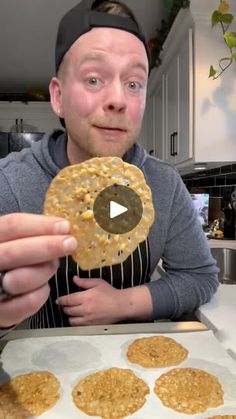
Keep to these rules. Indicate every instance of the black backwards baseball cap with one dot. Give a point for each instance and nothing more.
(82, 18)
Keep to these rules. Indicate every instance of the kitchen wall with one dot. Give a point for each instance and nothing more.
(217, 182)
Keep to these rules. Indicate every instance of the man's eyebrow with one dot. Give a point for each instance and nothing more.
(100, 57)
(139, 64)
(93, 56)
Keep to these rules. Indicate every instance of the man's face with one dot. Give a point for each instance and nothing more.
(101, 93)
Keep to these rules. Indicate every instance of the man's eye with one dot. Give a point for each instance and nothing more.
(93, 81)
(134, 85)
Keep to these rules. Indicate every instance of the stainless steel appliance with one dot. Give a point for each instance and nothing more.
(226, 261)
(229, 209)
(4, 147)
(16, 141)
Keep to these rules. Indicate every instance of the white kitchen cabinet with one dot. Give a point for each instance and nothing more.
(178, 80)
(199, 113)
(152, 135)
(172, 110)
(29, 117)
(185, 96)
(159, 125)
(150, 127)
(173, 96)
(142, 136)
(147, 134)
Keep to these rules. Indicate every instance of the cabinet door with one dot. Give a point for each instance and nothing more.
(179, 103)
(159, 120)
(172, 104)
(146, 137)
(184, 138)
(150, 115)
(143, 133)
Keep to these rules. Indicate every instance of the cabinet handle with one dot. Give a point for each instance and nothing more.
(171, 144)
(175, 138)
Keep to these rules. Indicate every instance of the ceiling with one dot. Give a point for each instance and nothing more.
(28, 32)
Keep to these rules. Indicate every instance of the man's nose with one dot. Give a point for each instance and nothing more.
(115, 97)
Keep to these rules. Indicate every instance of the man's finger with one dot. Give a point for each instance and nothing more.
(35, 250)
(15, 310)
(19, 225)
(74, 311)
(87, 283)
(26, 279)
(70, 300)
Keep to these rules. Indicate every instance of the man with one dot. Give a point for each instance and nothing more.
(99, 92)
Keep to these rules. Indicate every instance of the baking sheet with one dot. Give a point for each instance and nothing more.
(71, 358)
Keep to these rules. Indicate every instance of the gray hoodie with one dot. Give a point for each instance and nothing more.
(190, 277)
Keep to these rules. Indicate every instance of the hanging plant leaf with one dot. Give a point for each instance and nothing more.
(218, 17)
(212, 72)
(223, 7)
(230, 39)
(224, 19)
(233, 55)
(227, 18)
(215, 17)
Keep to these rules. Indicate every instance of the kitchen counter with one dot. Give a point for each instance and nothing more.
(220, 315)
(230, 244)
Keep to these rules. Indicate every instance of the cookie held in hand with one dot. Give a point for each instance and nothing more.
(85, 193)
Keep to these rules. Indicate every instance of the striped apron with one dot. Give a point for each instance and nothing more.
(135, 270)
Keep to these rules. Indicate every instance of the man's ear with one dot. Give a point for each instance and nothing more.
(56, 96)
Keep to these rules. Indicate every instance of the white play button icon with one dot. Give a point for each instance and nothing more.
(116, 209)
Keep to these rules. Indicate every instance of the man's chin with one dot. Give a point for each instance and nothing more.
(112, 151)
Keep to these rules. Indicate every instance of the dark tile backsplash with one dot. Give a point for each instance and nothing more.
(220, 181)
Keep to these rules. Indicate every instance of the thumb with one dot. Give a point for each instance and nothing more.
(86, 283)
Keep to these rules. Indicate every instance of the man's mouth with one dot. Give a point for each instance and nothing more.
(110, 129)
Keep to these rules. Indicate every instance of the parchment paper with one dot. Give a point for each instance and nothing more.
(71, 358)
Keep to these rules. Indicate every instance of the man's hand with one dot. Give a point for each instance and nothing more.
(100, 303)
(30, 246)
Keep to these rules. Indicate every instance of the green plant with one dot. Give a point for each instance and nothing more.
(156, 44)
(224, 19)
